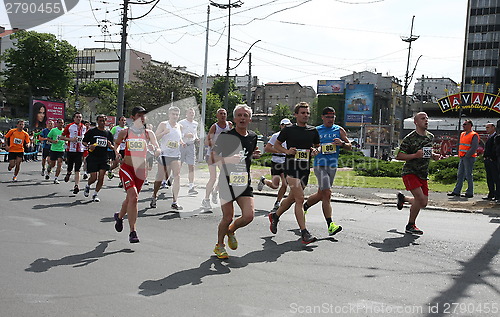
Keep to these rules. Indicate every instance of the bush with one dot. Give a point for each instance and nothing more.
(264, 160)
(445, 171)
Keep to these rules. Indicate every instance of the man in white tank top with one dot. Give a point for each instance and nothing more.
(215, 130)
(169, 136)
(189, 128)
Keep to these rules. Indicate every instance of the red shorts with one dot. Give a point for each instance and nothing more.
(412, 181)
(85, 153)
(131, 177)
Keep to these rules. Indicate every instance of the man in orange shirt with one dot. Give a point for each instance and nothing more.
(16, 139)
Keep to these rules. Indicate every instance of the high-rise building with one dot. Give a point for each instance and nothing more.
(482, 56)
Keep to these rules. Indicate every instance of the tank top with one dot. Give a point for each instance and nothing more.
(136, 144)
(218, 131)
(170, 142)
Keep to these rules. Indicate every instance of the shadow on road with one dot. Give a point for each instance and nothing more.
(270, 253)
(393, 244)
(53, 195)
(63, 205)
(76, 260)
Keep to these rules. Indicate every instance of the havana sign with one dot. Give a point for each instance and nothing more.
(480, 101)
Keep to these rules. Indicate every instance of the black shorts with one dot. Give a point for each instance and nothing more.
(94, 166)
(112, 155)
(45, 152)
(54, 155)
(302, 174)
(228, 196)
(14, 155)
(277, 168)
(166, 160)
(74, 159)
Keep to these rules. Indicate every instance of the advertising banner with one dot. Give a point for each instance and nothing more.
(373, 135)
(477, 101)
(43, 110)
(331, 86)
(358, 104)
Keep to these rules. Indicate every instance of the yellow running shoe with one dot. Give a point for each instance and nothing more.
(220, 251)
(231, 241)
(334, 229)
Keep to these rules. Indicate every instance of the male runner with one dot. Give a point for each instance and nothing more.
(45, 144)
(277, 166)
(15, 141)
(213, 133)
(189, 128)
(73, 133)
(302, 141)
(233, 151)
(332, 138)
(416, 150)
(56, 150)
(170, 136)
(98, 141)
(133, 169)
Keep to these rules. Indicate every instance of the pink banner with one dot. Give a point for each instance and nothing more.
(43, 110)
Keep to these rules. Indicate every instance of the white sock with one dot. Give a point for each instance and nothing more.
(191, 185)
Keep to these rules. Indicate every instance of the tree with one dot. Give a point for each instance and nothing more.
(37, 66)
(280, 112)
(156, 85)
(107, 93)
(213, 104)
(234, 96)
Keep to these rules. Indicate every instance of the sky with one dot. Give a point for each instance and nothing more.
(299, 40)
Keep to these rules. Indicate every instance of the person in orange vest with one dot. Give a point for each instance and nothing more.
(469, 141)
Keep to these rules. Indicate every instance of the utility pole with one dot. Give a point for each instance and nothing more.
(249, 87)
(121, 65)
(408, 40)
(204, 91)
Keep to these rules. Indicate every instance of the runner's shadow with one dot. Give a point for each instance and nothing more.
(76, 260)
(261, 212)
(26, 183)
(270, 253)
(53, 195)
(63, 205)
(393, 244)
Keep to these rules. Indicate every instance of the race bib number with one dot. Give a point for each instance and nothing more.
(302, 155)
(58, 137)
(172, 144)
(102, 142)
(18, 141)
(427, 151)
(79, 139)
(238, 179)
(328, 148)
(136, 144)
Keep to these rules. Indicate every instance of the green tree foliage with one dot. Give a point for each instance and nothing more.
(280, 112)
(37, 66)
(234, 96)
(155, 85)
(213, 103)
(107, 93)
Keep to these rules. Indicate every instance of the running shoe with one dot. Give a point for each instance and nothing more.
(118, 222)
(66, 178)
(163, 185)
(192, 191)
(220, 251)
(231, 241)
(43, 171)
(261, 183)
(110, 175)
(14, 178)
(76, 189)
(152, 204)
(120, 184)
(273, 219)
(205, 204)
(56, 181)
(401, 200)
(85, 176)
(9, 168)
(47, 177)
(146, 183)
(305, 207)
(95, 198)
(308, 238)
(215, 198)
(86, 191)
(174, 206)
(333, 229)
(132, 238)
(412, 229)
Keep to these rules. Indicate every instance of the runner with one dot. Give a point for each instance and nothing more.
(45, 144)
(332, 139)
(277, 167)
(170, 136)
(416, 150)
(213, 133)
(133, 167)
(234, 151)
(115, 131)
(302, 141)
(15, 141)
(73, 133)
(189, 129)
(98, 141)
(56, 149)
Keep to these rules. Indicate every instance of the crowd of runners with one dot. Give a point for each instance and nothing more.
(133, 146)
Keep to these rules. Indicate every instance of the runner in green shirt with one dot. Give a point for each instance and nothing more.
(56, 149)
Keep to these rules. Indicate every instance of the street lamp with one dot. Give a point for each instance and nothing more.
(228, 6)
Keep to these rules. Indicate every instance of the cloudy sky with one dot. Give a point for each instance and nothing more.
(300, 40)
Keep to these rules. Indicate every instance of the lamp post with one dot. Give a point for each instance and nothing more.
(228, 6)
(408, 40)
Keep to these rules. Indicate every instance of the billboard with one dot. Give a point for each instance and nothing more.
(374, 134)
(43, 110)
(331, 86)
(359, 101)
(477, 101)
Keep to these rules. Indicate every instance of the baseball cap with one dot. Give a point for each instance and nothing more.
(285, 121)
(328, 110)
(137, 110)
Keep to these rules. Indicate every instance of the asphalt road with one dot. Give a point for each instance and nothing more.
(60, 256)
